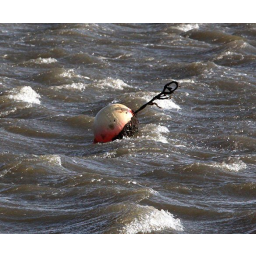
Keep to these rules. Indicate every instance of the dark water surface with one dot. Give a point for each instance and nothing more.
(191, 167)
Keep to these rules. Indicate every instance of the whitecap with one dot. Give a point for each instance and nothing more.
(8, 112)
(4, 172)
(51, 159)
(186, 80)
(54, 159)
(133, 182)
(24, 94)
(96, 180)
(68, 73)
(165, 104)
(112, 83)
(73, 86)
(155, 132)
(234, 166)
(152, 220)
(229, 53)
(162, 139)
(187, 27)
(162, 129)
(43, 60)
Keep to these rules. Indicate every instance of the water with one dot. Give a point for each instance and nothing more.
(191, 167)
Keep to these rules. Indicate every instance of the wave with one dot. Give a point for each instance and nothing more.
(42, 60)
(83, 58)
(73, 86)
(24, 94)
(69, 73)
(187, 27)
(111, 83)
(51, 159)
(58, 76)
(211, 36)
(152, 220)
(231, 59)
(165, 104)
(235, 165)
(155, 132)
(29, 165)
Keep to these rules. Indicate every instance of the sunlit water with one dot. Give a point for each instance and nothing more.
(191, 167)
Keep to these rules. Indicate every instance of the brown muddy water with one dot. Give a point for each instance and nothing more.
(191, 167)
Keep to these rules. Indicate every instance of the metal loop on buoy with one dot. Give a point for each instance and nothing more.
(168, 90)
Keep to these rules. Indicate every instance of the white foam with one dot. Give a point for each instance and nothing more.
(159, 130)
(131, 181)
(180, 146)
(228, 53)
(112, 83)
(96, 180)
(162, 129)
(43, 60)
(25, 94)
(5, 113)
(162, 139)
(236, 166)
(165, 104)
(73, 86)
(152, 220)
(68, 73)
(187, 27)
(186, 80)
(2, 173)
(108, 154)
(155, 132)
(52, 159)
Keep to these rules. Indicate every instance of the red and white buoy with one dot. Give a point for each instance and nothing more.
(116, 121)
(113, 122)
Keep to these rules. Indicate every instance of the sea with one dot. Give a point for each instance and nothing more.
(190, 169)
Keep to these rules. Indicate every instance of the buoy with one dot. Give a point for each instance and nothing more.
(116, 121)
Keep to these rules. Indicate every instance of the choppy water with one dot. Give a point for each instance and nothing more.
(190, 169)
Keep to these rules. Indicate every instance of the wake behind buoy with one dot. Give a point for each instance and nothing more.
(116, 121)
